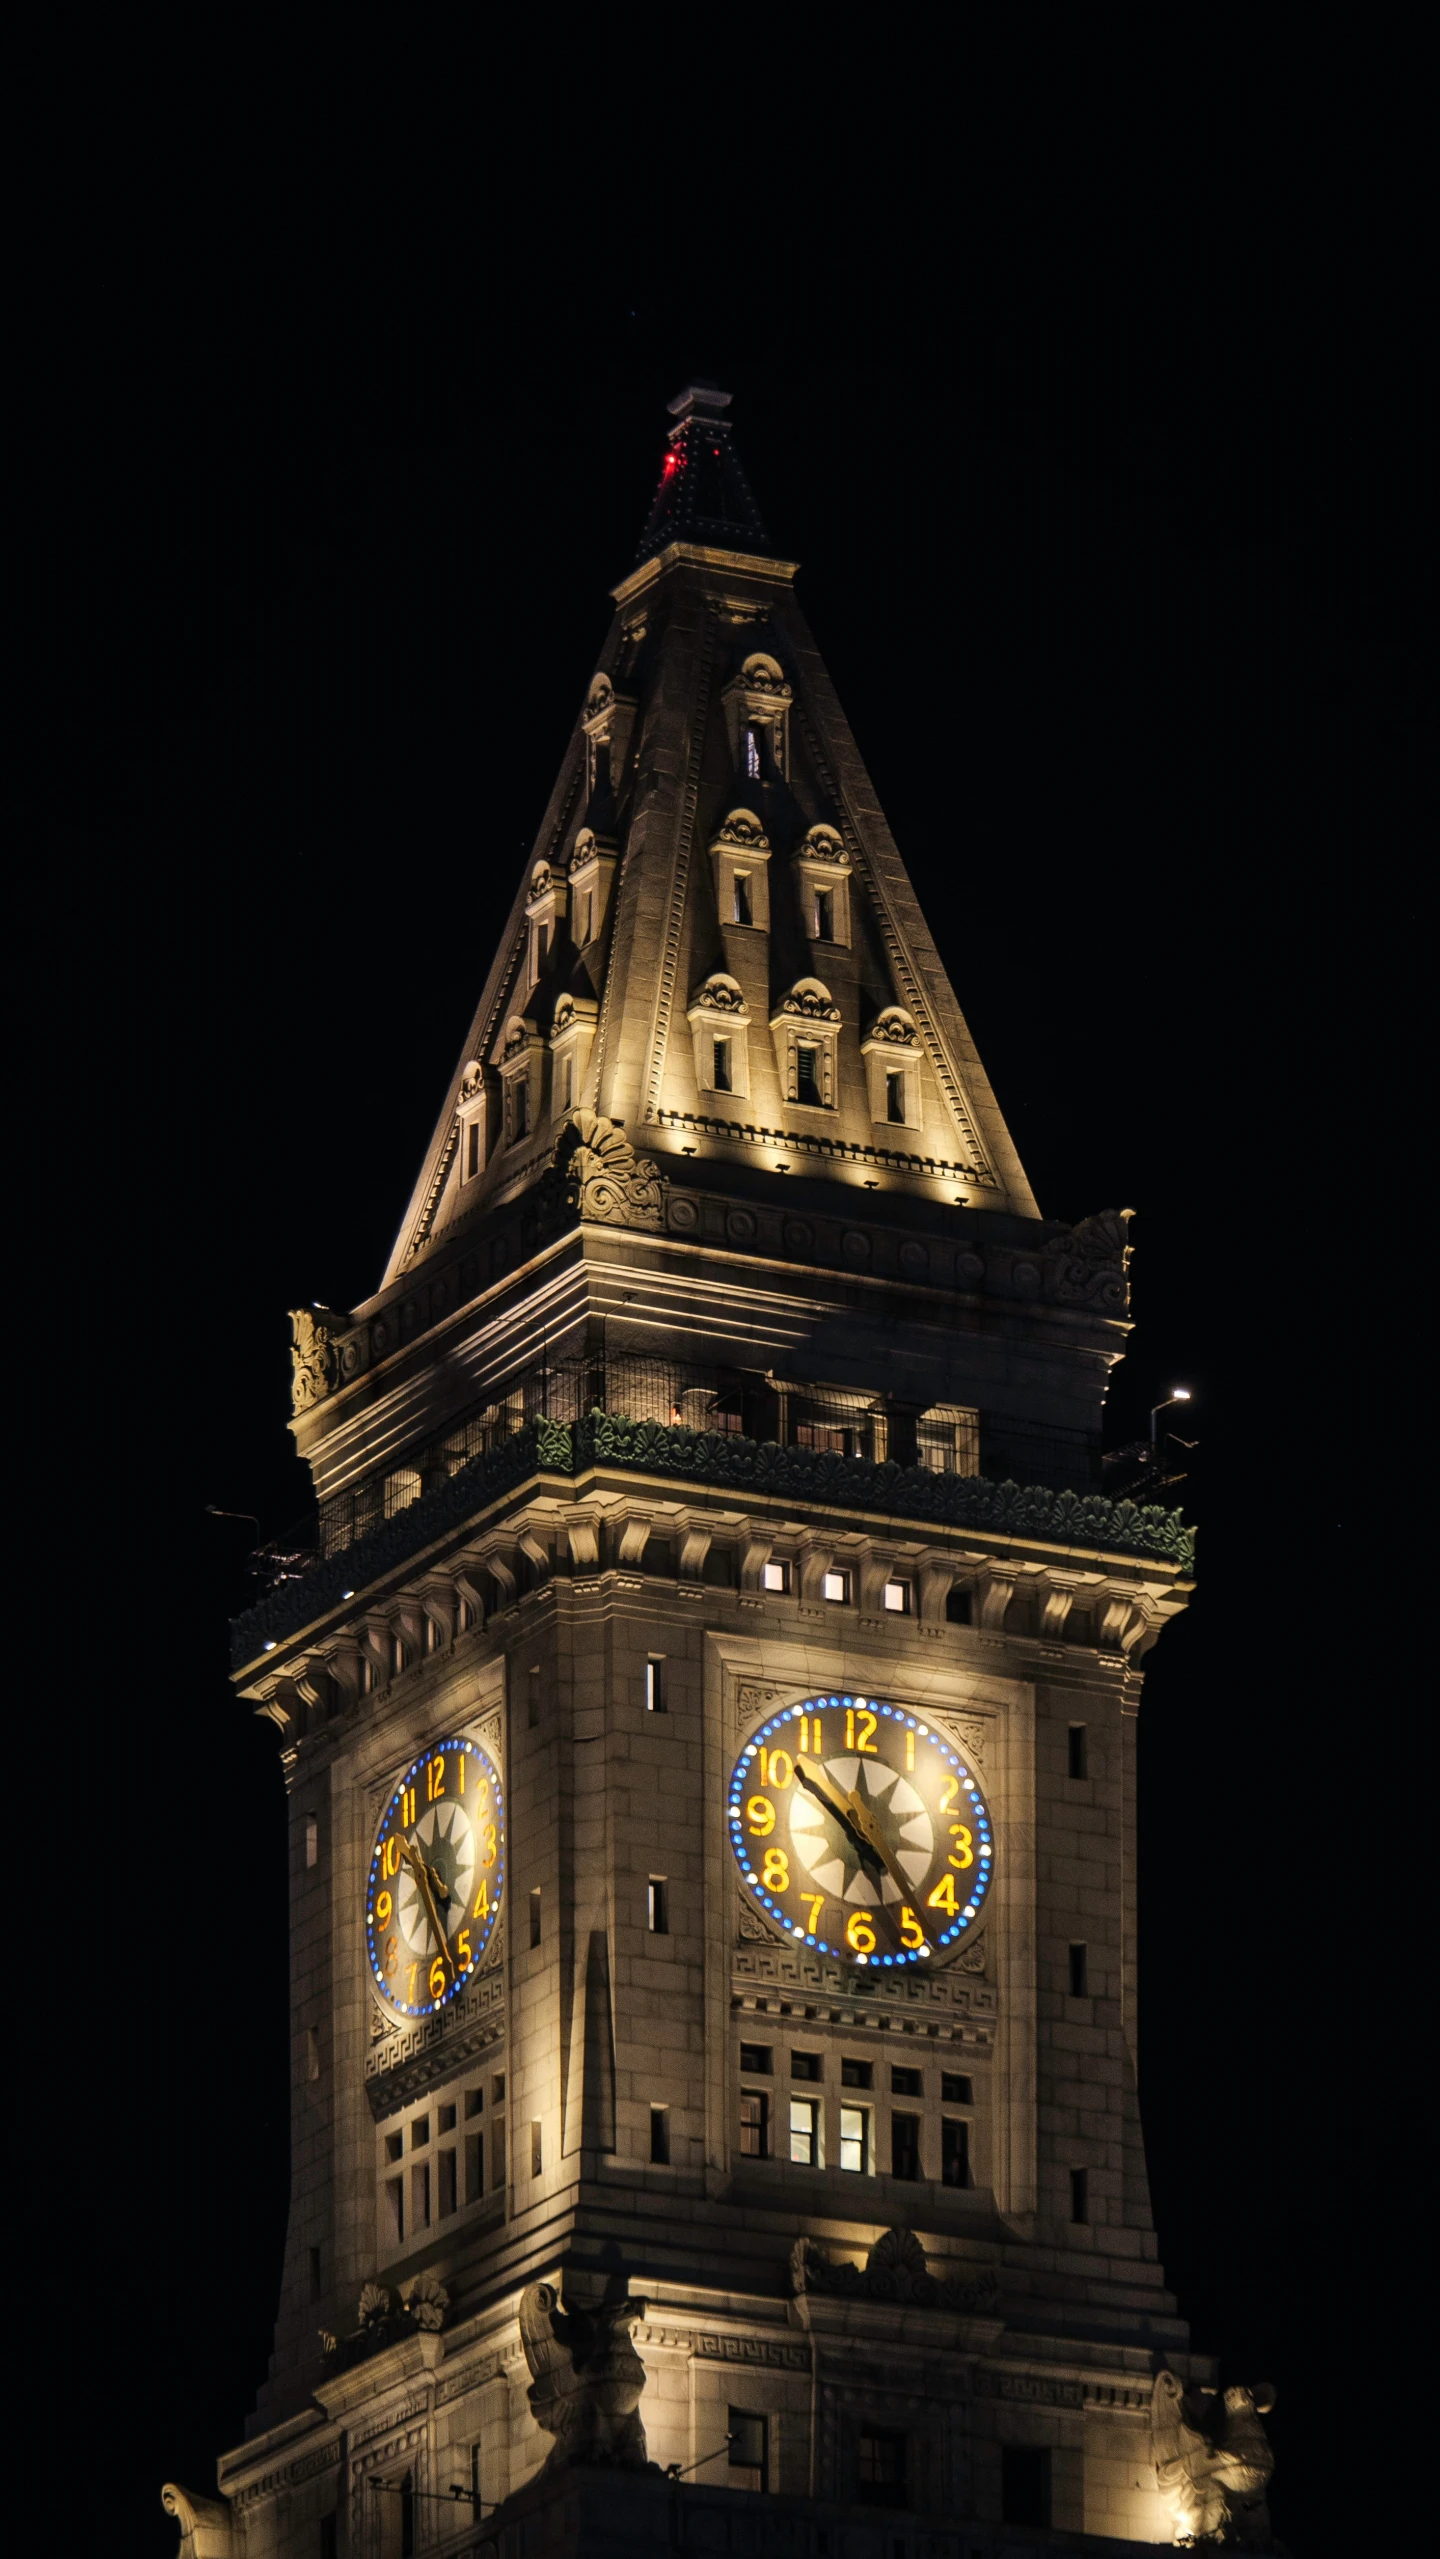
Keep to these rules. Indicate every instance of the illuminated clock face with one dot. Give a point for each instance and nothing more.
(862, 1831)
(437, 1877)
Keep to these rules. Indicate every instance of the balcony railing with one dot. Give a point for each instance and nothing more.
(828, 1446)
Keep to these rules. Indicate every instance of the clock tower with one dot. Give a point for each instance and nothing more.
(709, 1723)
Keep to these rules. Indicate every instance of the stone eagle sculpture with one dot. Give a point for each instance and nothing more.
(585, 2376)
(1213, 2463)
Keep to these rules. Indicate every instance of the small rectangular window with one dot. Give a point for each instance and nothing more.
(824, 915)
(807, 1073)
(1079, 2194)
(567, 1082)
(957, 1604)
(497, 2090)
(748, 2445)
(472, 1150)
(420, 2196)
(497, 2153)
(446, 2195)
(954, 2153)
(394, 2145)
(537, 2150)
(312, 1840)
(895, 1097)
(395, 2208)
(836, 1585)
(880, 2468)
(419, 2132)
(329, 2537)
(474, 2103)
(660, 2136)
(806, 2066)
(657, 1907)
(905, 2146)
(532, 1709)
(583, 915)
(314, 2274)
(535, 1916)
(752, 755)
(956, 2088)
(721, 1077)
(445, 2119)
(1079, 1969)
(906, 2083)
(474, 2167)
(312, 2053)
(776, 1577)
(755, 2060)
(1078, 1754)
(1025, 2484)
(655, 1684)
(897, 1598)
(856, 2074)
(804, 2132)
(855, 2139)
(754, 2124)
(742, 907)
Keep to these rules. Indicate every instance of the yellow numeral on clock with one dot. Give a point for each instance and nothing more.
(383, 1907)
(437, 1979)
(776, 1872)
(814, 1903)
(943, 1897)
(407, 1807)
(859, 1933)
(482, 1905)
(966, 1857)
(463, 1955)
(760, 1814)
(911, 1932)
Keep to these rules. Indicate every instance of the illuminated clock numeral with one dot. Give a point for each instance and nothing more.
(866, 1727)
(411, 1971)
(961, 1836)
(814, 1903)
(460, 1766)
(911, 1932)
(407, 1807)
(390, 1855)
(492, 1839)
(943, 1897)
(383, 1908)
(948, 1793)
(776, 1769)
(909, 1752)
(776, 1871)
(482, 1902)
(859, 1932)
(434, 1779)
(437, 1979)
(463, 1955)
(392, 1955)
(760, 1814)
(810, 1736)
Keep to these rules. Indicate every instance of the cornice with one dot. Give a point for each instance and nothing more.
(695, 555)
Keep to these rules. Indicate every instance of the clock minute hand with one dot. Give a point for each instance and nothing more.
(425, 1883)
(862, 1819)
(815, 1782)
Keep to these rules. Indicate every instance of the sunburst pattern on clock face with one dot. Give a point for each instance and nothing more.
(861, 1830)
(437, 1877)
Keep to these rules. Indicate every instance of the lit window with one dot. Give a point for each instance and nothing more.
(312, 1840)
(721, 1079)
(804, 2132)
(776, 1577)
(895, 1097)
(567, 1082)
(855, 2139)
(657, 1907)
(472, 1150)
(897, 1598)
(807, 1072)
(655, 1685)
(836, 1586)
(752, 755)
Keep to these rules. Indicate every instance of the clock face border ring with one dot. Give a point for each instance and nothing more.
(399, 2012)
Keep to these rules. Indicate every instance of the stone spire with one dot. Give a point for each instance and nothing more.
(703, 496)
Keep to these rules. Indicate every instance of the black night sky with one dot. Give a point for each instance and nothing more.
(1109, 486)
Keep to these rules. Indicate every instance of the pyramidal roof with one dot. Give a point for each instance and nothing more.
(714, 946)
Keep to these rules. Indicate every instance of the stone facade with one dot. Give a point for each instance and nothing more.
(679, 1404)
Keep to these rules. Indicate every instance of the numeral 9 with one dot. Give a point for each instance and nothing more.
(760, 1814)
(383, 1907)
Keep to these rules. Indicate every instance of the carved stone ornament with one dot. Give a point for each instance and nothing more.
(719, 994)
(314, 1361)
(599, 700)
(822, 844)
(540, 880)
(895, 2270)
(1092, 1262)
(472, 1080)
(603, 1176)
(894, 1027)
(1213, 2463)
(808, 1001)
(585, 2376)
(383, 2321)
(762, 675)
(206, 2527)
(742, 833)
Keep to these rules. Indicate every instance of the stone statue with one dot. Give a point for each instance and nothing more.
(586, 2377)
(1212, 2463)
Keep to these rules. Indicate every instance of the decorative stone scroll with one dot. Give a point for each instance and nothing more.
(603, 1176)
(1090, 1264)
(895, 2270)
(315, 1362)
(586, 2377)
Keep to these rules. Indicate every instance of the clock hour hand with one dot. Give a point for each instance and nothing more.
(862, 1819)
(425, 1883)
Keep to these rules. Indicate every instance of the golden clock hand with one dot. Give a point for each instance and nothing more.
(817, 1783)
(424, 1882)
(862, 1816)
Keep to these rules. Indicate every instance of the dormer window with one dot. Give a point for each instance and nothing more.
(572, 1030)
(592, 870)
(752, 755)
(517, 1109)
(741, 855)
(544, 909)
(806, 1030)
(757, 710)
(474, 1150)
(478, 1098)
(720, 1028)
(822, 868)
(891, 1050)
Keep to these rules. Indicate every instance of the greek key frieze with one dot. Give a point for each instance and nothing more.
(751, 2350)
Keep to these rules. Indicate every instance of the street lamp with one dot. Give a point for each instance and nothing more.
(1177, 1395)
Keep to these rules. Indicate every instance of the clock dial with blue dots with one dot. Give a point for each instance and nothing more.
(437, 1878)
(861, 1830)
